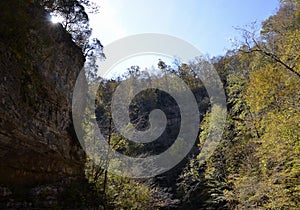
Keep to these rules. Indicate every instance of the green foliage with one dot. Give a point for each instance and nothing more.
(205, 179)
(271, 102)
(256, 166)
(75, 20)
(257, 163)
(115, 192)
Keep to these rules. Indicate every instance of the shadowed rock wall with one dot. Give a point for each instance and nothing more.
(39, 64)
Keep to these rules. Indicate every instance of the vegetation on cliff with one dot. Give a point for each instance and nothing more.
(255, 166)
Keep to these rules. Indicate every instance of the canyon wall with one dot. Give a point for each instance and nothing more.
(39, 64)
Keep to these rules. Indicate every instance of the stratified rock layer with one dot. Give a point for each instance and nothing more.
(39, 64)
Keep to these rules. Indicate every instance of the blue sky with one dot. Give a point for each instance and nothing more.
(207, 24)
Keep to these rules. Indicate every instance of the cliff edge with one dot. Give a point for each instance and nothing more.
(39, 64)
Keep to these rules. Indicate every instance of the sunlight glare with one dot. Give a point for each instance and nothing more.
(56, 19)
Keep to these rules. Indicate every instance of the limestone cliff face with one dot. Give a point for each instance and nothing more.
(39, 64)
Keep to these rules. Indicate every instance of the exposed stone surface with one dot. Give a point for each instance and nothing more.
(68, 193)
(39, 64)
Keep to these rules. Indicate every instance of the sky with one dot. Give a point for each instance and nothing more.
(207, 24)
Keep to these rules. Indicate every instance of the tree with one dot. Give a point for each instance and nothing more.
(279, 38)
(117, 192)
(271, 104)
(75, 20)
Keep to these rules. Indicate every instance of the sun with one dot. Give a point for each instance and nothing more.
(56, 19)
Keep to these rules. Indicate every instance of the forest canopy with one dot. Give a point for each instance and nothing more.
(256, 165)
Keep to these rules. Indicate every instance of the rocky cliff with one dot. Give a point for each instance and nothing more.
(39, 64)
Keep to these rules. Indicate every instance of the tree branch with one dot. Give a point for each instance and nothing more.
(272, 56)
